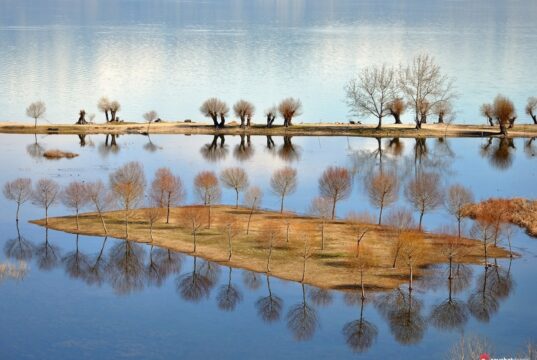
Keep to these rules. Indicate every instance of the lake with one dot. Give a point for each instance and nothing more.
(75, 301)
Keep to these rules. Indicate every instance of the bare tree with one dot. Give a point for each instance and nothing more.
(244, 110)
(252, 199)
(268, 236)
(397, 107)
(412, 252)
(230, 228)
(400, 220)
(483, 229)
(167, 190)
(152, 215)
(361, 224)
(283, 182)
(149, 117)
(18, 190)
(458, 198)
(422, 81)
(504, 111)
(128, 184)
(235, 178)
(424, 193)
(321, 207)
(193, 219)
(74, 196)
(288, 109)
(45, 194)
(36, 111)
(531, 108)
(383, 190)
(487, 110)
(370, 93)
(271, 114)
(442, 109)
(208, 190)
(114, 107)
(99, 196)
(306, 254)
(215, 108)
(104, 106)
(335, 183)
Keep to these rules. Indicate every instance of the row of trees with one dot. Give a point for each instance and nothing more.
(502, 112)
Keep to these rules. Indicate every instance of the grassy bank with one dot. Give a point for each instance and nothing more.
(324, 129)
(332, 267)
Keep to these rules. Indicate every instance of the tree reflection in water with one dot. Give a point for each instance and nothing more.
(152, 271)
(359, 334)
(302, 319)
(47, 255)
(168, 262)
(529, 148)
(193, 286)
(287, 151)
(97, 270)
(483, 302)
(35, 150)
(215, 150)
(271, 146)
(211, 271)
(150, 146)
(251, 279)
(244, 150)
(75, 262)
(451, 313)
(320, 297)
(126, 267)
(19, 248)
(499, 152)
(269, 308)
(229, 296)
(109, 146)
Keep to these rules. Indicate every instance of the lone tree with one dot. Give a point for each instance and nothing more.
(271, 114)
(361, 224)
(321, 207)
(167, 190)
(104, 106)
(208, 190)
(458, 198)
(504, 111)
(335, 183)
(152, 215)
(114, 107)
(269, 234)
(215, 108)
(149, 117)
(230, 228)
(531, 109)
(18, 190)
(128, 184)
(252, 199)
(400, 220)
(283, 182)
(371, 92)
(422, 81)
(75, 196)
(442, 110)
(244, 110)
(288, 109)
(383, 190)
(99, 196)
(396, 108)
(487, 111)
(424, 193)
(192, 217)
(235, 178)
(45, 194)
(36, 111)
(412, 252)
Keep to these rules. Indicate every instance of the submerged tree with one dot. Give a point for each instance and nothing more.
(228, 295)
(75, 196)
(252, 199)
(244, 110)
(99, 196)
(18, 190)
(371, 93)
(335, 183)
(36, 111)
(128, 185)
(289, 108)
(283, 182)
(269, 307)
(45, 194)
(383, 190)
(531, 109)
(167, 190)
(208, 190)
(235, 178)
(424, 193)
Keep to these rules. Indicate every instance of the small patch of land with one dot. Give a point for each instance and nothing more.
(310, 129)
(58, 154)
(331, 267)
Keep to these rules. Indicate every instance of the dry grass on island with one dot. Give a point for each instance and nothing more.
(337, 266)
(58, 154)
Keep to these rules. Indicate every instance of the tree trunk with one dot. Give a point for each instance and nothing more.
(151, 231)
(215, 120)
(411, 278)
(35, 123)
(168, 210)
(237, 199)
(106, 115)
(46, 216)
(491, 122)
(222, 121)
(421, 219)
(503, 128)
(126, 223)
(397, 118)
(209, 217)
(17, 214)
(362, 285)
(380, 122)
(322, 235)
(281, 205)
(242, 122)
(440, 118)
(77, 223)
(534, 117)
(229, 244)
(334, 207)
(194, 238)
(269, 256)
(249, 218)
(380, 214)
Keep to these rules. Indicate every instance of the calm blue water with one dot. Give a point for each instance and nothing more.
(79, 305)
(170, 55)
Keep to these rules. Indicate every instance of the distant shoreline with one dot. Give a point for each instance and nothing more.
(318, 129)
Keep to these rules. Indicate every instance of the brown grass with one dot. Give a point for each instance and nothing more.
(330, 268)
(58, 154)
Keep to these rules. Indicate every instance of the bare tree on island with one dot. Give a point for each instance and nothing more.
(397, 107)
(152, 215)
(74, 196)
(18, 190)
(383, 190)
(167, 190)
(215, 108)
(424, 193)
(150, 117)
(192, 217)
(531, 109)
(283, 182)
(371, 92)
(321, 208)
(235, 178)
(45, 194)
(288, 109)
(244, 110)
(208, 190)
(128, 184)
(422, 81)
(252, 199)
(458, 198)
(114, 107)
(99, 196)
(442, 110)
(104, 106)
(36, 111)
(335, 183)
(271, 114)
(487, 110)
(504, 111)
